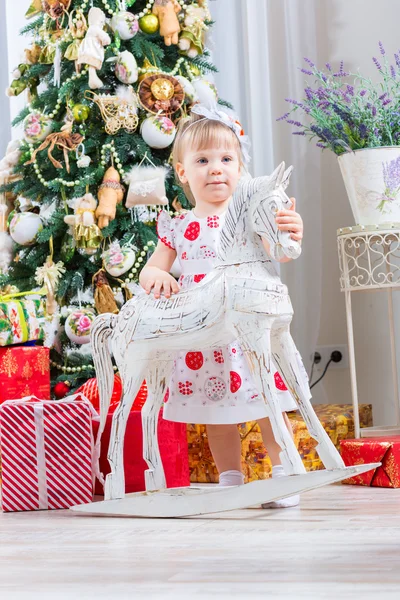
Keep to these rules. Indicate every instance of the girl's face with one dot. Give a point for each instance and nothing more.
(212, 174)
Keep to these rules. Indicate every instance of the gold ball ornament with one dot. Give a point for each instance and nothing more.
(149, 24)
(162, 89)
(80, 112)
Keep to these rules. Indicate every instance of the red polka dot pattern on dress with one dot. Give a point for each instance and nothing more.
(184, 256)
(207, 252)
(218, 357)
(213, 222)
(185, 388)
(198, 278)
(192, 231)
(279, 383)
(215, 388)
(194, 360)
(236, 382)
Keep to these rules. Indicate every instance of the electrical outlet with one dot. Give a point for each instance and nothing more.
(326, 351)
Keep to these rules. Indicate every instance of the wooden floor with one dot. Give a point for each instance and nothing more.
(343, 542)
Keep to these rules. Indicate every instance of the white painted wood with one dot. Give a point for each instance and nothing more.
(190, 501)
(242, 299)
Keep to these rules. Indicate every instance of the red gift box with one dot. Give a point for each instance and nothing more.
(372, 450)
(47, 453)
(173, 448)
(24, 371)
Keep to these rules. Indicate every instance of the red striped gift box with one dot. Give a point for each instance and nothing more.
(47, 453)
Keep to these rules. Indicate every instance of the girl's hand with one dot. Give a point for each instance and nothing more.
(290, 220)
(162, 284)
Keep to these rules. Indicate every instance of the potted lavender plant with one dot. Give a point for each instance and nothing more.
(360, 122)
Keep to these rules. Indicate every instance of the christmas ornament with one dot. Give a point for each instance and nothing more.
(146, 185)
(166, 12)
(65, 140)
(110, 193)
(24, 228)
(80, 112)
(49, 275)
(118, 260)
(36, 127)
(190, 92)
(91, 51)
(126, 69)
(158, 131)
(191, 40)
(149, 24)
(86, 233)
(90, 390)
(125, 25)
(55, 8)
(67, 250)
(77, 28)
(82, 159)
(119, 111)
(104, 300)
(34, 9)
(206, 92)
(78, 324)
(161, 92)
(61, 389)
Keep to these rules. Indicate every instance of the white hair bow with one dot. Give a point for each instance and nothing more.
(223, 117)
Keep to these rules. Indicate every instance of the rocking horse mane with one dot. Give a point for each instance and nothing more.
(233, 216)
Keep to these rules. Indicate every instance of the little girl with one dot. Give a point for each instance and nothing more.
(212, 387)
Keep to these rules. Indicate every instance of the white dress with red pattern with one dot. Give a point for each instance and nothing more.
(212, 386)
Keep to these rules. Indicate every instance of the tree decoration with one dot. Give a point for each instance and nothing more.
(65, 140)
(118, 111)
(78, 324)
(61, 389)
(191, 39)
(56, 8)
(158, 131)
(36, 127)
(86, 232)
(161, 92)
(118, 260)
(77, 28)
(49, 275)
(103, 296)
(146, 185)
(125, 24)
(126, 69)
(91, 51)
(166, 11)
(149, 24)
(24, 228)
(111, 193)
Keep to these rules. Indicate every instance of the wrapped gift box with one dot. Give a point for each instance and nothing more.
(337, 420)
(384, 450)
(21, 321)
(47, 453)
(24, 371)
(173, 448)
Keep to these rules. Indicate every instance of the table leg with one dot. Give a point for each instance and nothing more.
(352, 363)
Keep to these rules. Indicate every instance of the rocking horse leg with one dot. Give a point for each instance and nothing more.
(132, 379)
(257, 345)
(287, 360)
(157, 378)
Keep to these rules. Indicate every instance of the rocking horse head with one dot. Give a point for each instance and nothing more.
(252, 215)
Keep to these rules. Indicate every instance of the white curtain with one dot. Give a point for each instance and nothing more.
(257, 46)
(5, 128)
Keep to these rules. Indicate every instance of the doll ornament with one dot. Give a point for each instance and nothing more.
(86, 232)
(166, 11)
(91, 51)
(110, 193)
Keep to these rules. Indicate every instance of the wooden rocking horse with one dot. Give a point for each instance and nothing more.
(241, 299)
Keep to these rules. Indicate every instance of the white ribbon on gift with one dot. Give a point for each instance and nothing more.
(40, 449)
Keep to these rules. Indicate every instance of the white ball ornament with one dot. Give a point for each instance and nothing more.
(78, 325)
(36, 127)
(158, 131)
(117, 260)
(206, 92)
(24, 228)
(126, 69)
(125, 24)
(188, 88)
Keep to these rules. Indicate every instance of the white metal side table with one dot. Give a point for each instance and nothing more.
(369, 259)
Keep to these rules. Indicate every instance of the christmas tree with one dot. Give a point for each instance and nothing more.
(107, 82)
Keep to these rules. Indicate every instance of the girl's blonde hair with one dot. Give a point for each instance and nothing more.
(198, 133)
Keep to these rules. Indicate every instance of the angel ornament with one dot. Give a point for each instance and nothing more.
(91, 51)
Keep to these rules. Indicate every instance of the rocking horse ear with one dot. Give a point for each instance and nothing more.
(277, 175)
(286, 177)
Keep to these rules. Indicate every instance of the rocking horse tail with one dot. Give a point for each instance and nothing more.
(100, 333)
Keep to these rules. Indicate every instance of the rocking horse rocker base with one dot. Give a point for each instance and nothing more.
(191, 501)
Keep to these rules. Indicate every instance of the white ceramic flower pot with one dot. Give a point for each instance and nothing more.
(372, 180)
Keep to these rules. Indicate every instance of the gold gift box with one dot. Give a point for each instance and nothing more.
(337, 420)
